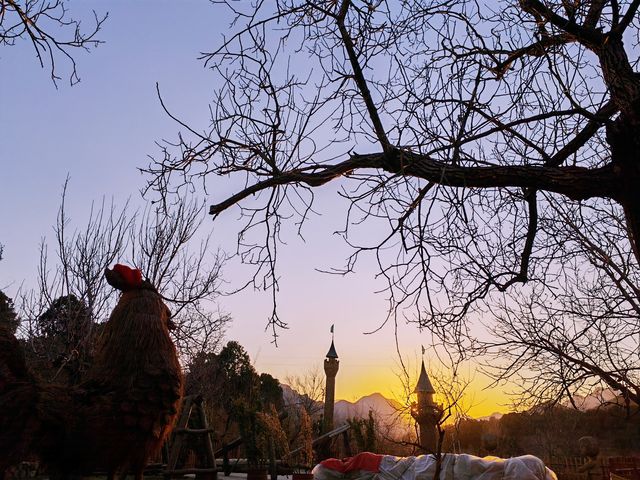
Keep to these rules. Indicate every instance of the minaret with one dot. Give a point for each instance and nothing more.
(331, 365)
(426, 412)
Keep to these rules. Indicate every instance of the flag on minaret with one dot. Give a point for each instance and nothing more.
(423, 350)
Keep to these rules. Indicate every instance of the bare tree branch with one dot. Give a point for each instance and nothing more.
(51, 31)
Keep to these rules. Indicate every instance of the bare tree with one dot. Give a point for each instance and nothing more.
(189, 278)
(157, 244)
(60, 315)
(83, 254)
(52, 32)
(458, 129)
(309, 387)
(580, 333)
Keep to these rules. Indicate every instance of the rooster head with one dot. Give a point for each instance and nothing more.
(123, 278)
(127, 279)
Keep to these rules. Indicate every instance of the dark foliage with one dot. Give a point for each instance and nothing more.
(550, 433)
(8, 315)
(234, 394)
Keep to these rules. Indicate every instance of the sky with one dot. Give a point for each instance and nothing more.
(100, 131)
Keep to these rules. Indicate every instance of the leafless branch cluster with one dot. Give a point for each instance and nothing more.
(579, 333)
(310, 389)
(158, 244)
(474, 143)
(53, 33)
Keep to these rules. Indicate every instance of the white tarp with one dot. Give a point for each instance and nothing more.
(454, 467)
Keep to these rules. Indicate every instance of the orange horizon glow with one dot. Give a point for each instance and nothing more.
(477, 401)
(360, 375)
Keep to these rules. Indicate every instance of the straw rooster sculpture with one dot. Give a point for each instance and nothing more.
(120, 415)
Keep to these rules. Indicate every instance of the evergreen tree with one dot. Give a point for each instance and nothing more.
(8, 314)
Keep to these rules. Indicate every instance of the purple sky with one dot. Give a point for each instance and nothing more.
(99, 131)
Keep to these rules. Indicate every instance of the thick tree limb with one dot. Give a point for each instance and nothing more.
(523, 275)
(587, 36)
(359, 77)
(594, 13)
(577, 183)
(628, 18)
(536, 49)
(583, 136)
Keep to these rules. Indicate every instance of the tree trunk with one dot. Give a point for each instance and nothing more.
(623, 137)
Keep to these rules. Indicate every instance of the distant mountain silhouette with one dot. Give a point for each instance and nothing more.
(496, 415)
(384, 410)
(292, 397)
(598, 399)
(382, 407)
(289, 395)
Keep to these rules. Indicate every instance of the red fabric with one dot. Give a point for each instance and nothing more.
(363, 461)
(131, 276)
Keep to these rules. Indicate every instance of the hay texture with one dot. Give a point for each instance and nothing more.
(120, 416)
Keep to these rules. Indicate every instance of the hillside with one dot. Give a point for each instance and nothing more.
(382, 407)
(384, 410)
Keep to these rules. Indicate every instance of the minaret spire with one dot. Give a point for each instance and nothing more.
(426, 412)
(331, 365)
(424, 383)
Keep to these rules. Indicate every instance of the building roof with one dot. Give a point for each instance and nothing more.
(332, 351)
(424, 384)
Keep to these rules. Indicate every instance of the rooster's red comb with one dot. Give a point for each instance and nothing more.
(132, 277)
